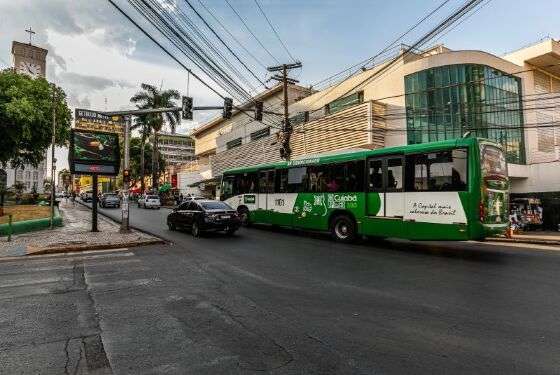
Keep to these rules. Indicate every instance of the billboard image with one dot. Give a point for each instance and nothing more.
(93, 152)
(95, 146)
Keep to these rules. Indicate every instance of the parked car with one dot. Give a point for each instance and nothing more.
(204, 215)
(109, 200)
(149, 201)
(87, 196)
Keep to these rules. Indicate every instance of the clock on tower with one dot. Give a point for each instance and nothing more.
(29, 59)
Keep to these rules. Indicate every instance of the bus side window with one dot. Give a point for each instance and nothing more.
(375, 175)
(355, 176)
(281, 181)
(297, 179)
(437, 171)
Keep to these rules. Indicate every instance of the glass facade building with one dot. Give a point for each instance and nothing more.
(447, 101)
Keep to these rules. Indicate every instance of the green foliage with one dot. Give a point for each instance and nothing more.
(26, 118)
(135, 156)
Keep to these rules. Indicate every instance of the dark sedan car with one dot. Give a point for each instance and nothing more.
(109, 200)
(204, 215)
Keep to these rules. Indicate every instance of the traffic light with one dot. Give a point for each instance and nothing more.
(228, 106)
(258, 111)
(187, 108)
(126, 175)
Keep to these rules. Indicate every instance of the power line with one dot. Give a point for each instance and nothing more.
(196, 76)
(224, 43)
(231, 35)
(454, 17)
(274, 30)
(390, 46)
(251, 32)
(166, 51)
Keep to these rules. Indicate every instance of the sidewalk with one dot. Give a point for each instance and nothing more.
(75, 235)
(544, 238)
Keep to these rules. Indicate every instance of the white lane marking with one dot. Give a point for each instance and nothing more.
(46, 280)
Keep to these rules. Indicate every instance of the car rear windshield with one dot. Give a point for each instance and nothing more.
(152, 197)
(215, 206)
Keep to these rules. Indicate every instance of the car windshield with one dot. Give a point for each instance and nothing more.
(110, 195)
(152, 197)
(215, 206)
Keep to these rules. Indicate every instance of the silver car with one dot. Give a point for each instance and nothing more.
(149, 201)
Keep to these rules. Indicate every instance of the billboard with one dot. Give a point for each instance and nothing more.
(94, 152)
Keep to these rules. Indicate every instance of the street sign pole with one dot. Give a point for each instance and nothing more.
(94, 204)
(125, 206)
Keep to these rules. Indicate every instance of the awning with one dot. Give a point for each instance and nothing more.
(214, 181)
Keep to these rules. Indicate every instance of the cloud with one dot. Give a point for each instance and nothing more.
(74, 100)
(91, 83)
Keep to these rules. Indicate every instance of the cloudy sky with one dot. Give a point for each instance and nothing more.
(100, 58)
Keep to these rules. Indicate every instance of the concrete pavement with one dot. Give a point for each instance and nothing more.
(281, 302)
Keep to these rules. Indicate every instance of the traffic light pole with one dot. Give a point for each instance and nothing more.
(125, 212)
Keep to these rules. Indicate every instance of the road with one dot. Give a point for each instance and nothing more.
(282, 302)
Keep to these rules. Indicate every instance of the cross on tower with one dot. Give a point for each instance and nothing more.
(31, 32)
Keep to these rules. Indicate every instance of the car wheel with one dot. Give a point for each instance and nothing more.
(244, 216)
(195, 230)
(343, 228)
(171, 226)
(231, 232)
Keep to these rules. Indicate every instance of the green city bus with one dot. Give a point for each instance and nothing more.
(449, 190)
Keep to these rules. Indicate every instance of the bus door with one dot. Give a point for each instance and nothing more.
(266, 188)
(385, 195)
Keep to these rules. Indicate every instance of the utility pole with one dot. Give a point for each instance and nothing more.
(285, 151)
(53, 160)
(125, 212)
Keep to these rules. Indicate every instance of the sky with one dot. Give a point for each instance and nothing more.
(99, 58)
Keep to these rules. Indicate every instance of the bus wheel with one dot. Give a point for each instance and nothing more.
(244, 216)
(343, 229)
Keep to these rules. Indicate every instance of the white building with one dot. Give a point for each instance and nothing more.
(440, 94)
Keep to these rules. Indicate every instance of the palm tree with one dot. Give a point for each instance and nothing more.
(152, 97)
(143, 125)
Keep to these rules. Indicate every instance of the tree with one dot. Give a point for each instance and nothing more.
(26, 106)
(142, 124)
(152, 97)
(136, 159)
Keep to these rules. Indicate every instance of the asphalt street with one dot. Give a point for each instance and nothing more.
(282, 302)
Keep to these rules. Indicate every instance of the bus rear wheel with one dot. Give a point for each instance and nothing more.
(343, 229)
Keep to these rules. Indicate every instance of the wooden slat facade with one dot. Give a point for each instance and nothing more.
(358, 126)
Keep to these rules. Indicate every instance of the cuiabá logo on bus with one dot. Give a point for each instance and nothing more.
(345, 198)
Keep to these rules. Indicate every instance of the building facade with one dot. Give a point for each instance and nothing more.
(442, 94)
(176, 148)
(241, 140)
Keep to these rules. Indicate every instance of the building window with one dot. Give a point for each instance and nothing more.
(260, 134)
(27, 175)
(35, 176)
(233, 143)
(447, 101)
(300, 118)
(345, 102)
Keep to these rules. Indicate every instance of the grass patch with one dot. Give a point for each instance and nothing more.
(25, 212)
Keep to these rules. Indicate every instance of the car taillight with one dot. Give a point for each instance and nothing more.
(481, 211)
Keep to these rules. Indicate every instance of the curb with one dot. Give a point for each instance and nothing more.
(71, 249)
(526, 241)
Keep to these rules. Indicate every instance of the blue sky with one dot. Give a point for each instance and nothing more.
(100, 59)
